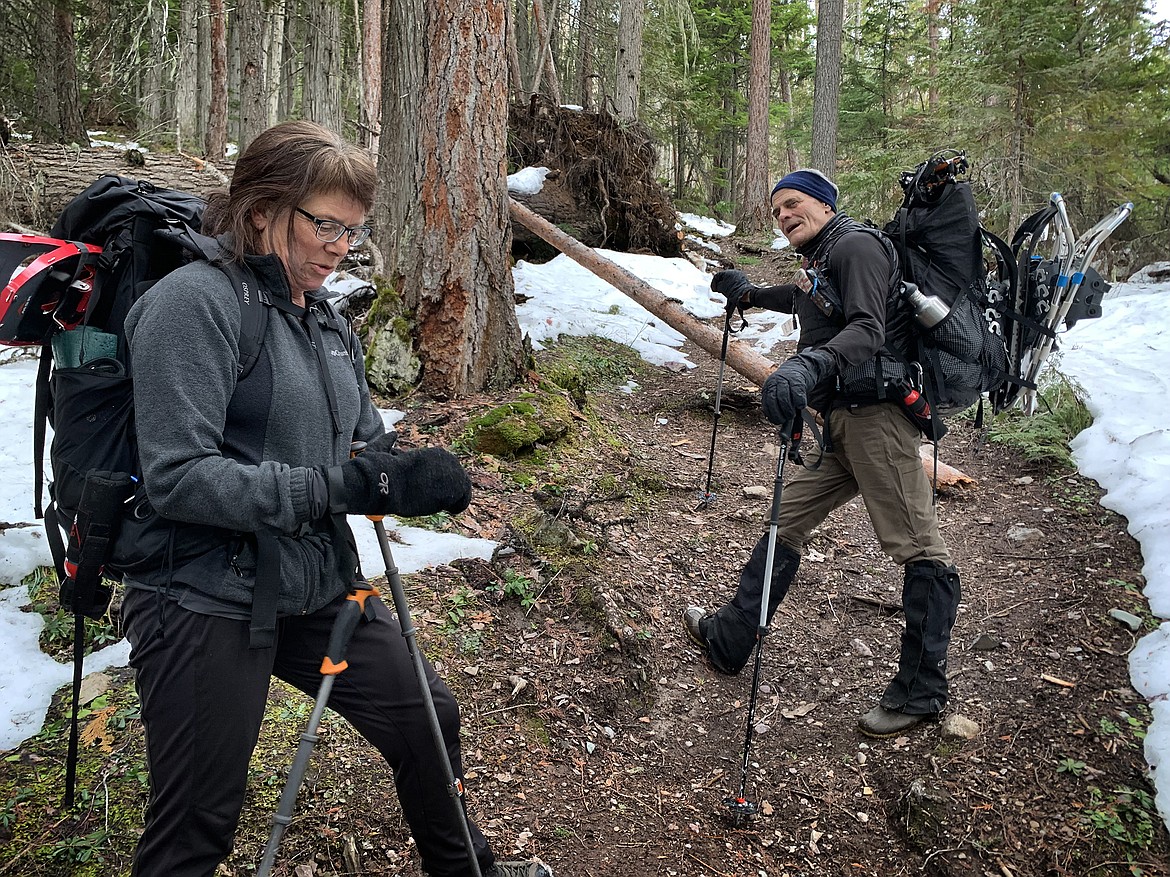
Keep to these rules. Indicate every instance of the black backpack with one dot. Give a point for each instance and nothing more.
(940, 362)
(109, 245)
(941, 246)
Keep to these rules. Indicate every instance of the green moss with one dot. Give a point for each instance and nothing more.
(580, 365)
(392, 367)
(516, 427)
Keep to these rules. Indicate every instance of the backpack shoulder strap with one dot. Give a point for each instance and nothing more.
(253, 302)
(253, 314)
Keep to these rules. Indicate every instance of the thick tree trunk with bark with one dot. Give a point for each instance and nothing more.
(253, 87)
(371, 59)
(631, 24)
(827, 86)
(322, 82)
(755, 213)
(443, 148)
(217, 111)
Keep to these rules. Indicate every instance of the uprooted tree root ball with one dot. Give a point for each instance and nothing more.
(601, 187)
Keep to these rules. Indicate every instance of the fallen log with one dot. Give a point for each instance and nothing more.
(37, 180)
(740, 357)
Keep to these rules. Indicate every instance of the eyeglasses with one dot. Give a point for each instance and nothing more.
(330, 230)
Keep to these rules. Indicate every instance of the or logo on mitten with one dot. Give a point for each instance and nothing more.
(383, 484)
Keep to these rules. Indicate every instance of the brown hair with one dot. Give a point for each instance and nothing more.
(283, 166)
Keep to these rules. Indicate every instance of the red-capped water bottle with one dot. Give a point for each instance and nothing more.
(914, 402)
(918, 410)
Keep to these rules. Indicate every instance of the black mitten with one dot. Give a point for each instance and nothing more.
(786, 390)
(408, 483)
(732, 285)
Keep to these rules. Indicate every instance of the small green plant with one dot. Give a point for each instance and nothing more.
(8, 813)
(469, 642)
(520, 587)
(1124, 815)
(458, 604)
(1107, 727)
(80, 850)
(1071, 765)
(57, 633)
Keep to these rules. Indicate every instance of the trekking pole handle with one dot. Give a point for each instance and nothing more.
(343, 627)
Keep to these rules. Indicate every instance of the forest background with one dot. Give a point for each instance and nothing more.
(1068, 96)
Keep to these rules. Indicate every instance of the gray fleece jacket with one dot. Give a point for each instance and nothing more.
(233, 458)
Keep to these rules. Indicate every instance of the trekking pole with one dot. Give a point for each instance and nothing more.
(333, 663)
(706, 497)
(739, 805)
(454, 785)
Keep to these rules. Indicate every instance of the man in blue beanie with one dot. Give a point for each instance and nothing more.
(844, 375)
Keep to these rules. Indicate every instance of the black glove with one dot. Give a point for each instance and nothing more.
(383, 481)
(786, 391)
(732, 285)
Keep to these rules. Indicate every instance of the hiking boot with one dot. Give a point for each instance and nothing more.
(881, 722)
(691, 619)
(692, 623)
(527, 868)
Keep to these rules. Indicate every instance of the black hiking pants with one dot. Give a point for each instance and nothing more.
(203, 694)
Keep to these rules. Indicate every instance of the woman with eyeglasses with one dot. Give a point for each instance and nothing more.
(250, 478)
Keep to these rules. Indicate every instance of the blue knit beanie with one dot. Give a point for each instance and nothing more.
(811, 182)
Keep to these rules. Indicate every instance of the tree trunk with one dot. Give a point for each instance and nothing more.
(187, 78)
(445, 127)
(323, 63)
(932, 35)
(515, 77)
(586, 74)
(1015, 181)
(204, 92)
(547, 66)
(253, 87)
(69, 92)
(289, 61)
(371, 59)
(217, 110)
(155, 76)
(46, 121)
(755, 215)
(827, 86)
(274, 56)
(789, 140)
(234, 55)
(101, 110)
(629, 60)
